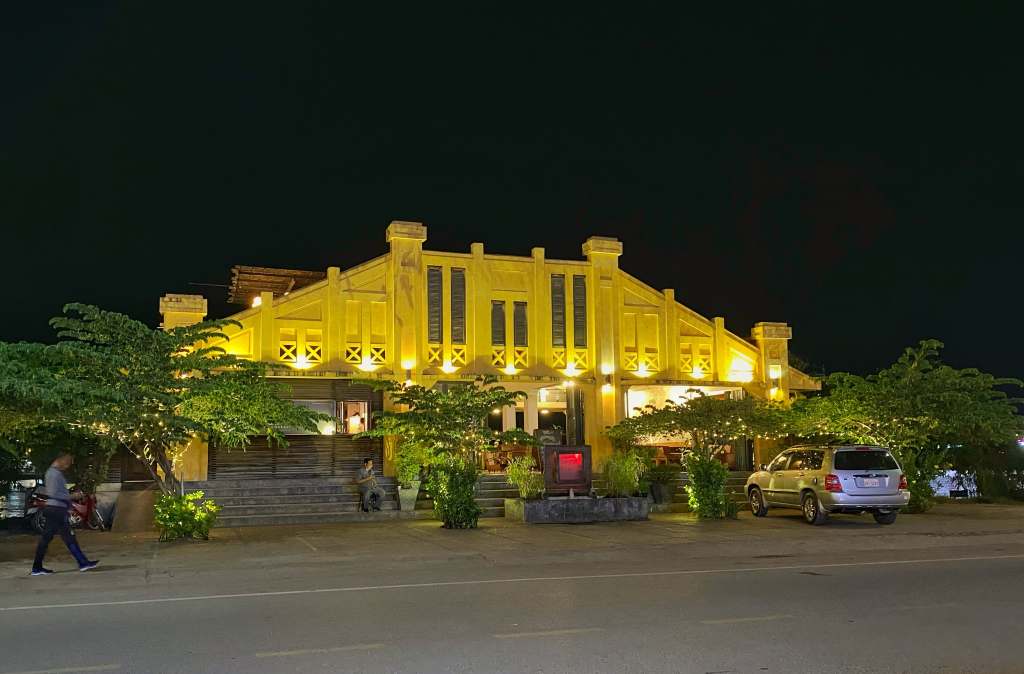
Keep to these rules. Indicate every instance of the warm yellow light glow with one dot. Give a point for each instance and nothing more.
(509, 370)
(773, 392)
(607, 388)
(448, 368)
(775, 371)
(495, 411)
(607, 369)
(568, 382)
(571, 371)
(408, 364)
(302, 363)
(697, 372)
(328, 428)
(545, 411)
(642, 371)
(741, 375)
(543, 395)
(409, 382)
(257, 301)
(367, 365)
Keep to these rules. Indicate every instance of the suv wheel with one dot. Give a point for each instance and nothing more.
(757, 505)
(885, 518)
(811, 508)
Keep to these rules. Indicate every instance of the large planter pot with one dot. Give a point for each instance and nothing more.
(407, 496)
(662, 493)
(577, 510)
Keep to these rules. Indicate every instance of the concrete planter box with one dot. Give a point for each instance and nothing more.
(576, 510)
(407, 497)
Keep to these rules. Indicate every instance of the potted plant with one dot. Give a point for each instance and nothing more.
(662, 478)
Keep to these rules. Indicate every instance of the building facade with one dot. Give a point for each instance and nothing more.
(586, 341)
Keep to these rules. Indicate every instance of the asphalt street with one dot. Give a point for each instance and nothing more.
(936, 593)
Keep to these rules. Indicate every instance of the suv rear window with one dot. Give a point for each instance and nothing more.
(860, 459)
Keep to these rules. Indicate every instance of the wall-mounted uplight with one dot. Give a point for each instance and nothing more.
(302, 363)
(697, 372)
(509, 370)
(367, 365)
(257, 301)
(568, 383)
(773, 392)
(408, 364)
(642, 371)
(448, 368)
(607, 388)
(571, 371)
(607, 369)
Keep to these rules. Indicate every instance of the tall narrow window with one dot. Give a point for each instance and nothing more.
(458, 306)
(558, 310)
(498, 323)
(519, 330)
(434, 308)
(579, 311)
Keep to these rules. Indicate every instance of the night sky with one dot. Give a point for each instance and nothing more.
(856, 175)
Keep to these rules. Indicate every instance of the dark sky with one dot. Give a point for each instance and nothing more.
(855, 174)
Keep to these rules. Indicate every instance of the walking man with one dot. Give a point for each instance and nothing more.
(58, 502)
(370, 492)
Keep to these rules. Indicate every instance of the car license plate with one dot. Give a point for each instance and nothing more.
(871, 482)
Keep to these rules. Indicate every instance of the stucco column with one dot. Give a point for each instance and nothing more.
(404, 287)
(508, 418)
(604, 294)
(530, 418)
(772, 341)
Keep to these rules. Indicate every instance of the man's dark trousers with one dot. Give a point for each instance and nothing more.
(57, 523)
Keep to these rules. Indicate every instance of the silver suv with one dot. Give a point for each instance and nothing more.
(824, 480)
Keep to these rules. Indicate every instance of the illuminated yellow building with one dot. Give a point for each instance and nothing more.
(582, 338)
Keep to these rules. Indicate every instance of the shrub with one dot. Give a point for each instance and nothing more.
(452, 485)
(706, 489)
(520, 472)
(664, 473)
(187, 516)
(408, 464)
(622, 473)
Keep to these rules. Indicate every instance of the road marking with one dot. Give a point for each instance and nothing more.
(730, 621)
(548, 633)
(502, 581)
(70, 670)
(308, 544)
(313, 651)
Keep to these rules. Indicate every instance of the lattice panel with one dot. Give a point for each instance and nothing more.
(287, 351)
(520, 356)
(314, 352)
(498, 356)
(581, 358)
(703, 361)
(378, 355)
(434, 354)
(354, 354)
(686, 362)
(557, 357)
(630, 361)
(458, 355)
(652, 361)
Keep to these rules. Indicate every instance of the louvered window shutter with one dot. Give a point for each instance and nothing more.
(519, 328)
(434, 310)
(497, 323)
(558, 310)
(579, 311)
(458, 306)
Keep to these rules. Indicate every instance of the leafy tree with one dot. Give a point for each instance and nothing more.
(708, 424)
(150, 391)
(926, 412)
(445, 429)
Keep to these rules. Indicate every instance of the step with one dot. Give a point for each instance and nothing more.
(297, 508)
(285, 500)
(278, 482)
(289, 491)
(318, 518)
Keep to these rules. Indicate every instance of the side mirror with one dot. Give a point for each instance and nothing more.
(764, 466)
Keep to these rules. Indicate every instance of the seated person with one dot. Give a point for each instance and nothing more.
(371, 494)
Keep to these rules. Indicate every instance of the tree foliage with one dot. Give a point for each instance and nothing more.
(925, 411)
(115, 378)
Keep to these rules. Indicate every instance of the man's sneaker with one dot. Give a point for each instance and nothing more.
(89, 564)
(41, 572)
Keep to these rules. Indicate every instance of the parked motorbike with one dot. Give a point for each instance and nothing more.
(82, 512)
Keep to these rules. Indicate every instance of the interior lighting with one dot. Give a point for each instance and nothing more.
(545, 411)
(775, 372)
(328, 429)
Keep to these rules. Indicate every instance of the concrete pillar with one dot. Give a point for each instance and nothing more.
(530, 415)
(508, 418)
(334, 321)
(178, 310)
(267, 347)
(604, 299)
(772, 341)
(404, 283)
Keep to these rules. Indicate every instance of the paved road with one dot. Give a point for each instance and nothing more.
(942, 592)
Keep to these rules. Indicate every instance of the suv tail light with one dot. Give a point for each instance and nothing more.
(832, 483)
(903, 482)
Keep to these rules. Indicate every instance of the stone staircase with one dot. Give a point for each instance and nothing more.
(491, 492)
(295, 501)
